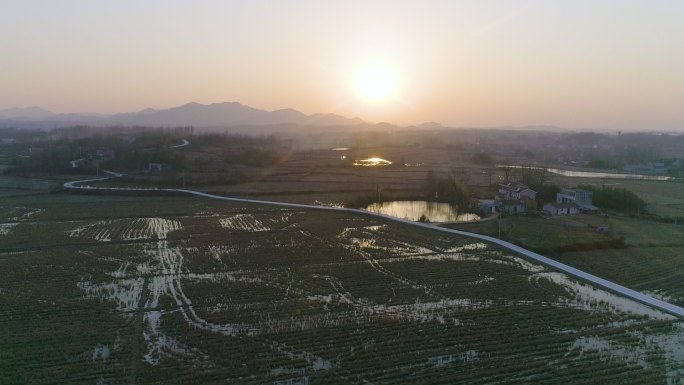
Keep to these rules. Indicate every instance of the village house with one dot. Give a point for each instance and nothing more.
(582, 198)
(77, 163)
(516, 190)
(512, 198)
(516, 197)
(157, 167)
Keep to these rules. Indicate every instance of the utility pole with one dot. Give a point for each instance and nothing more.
(498, 222)
(377, 187)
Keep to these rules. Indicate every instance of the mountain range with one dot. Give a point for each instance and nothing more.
(227, 114)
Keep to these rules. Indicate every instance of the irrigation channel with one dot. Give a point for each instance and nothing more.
(612, 286)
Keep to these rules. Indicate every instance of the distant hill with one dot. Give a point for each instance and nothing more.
(430, 126)
(227, 114)
(231, 115)
(26, 113)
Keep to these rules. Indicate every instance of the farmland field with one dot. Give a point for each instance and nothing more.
(111, 289)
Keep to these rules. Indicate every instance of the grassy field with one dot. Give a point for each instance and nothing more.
(652, 261)
(107, 289)
(17, 183)
(548, 235)
(639, 232)
(665, 199)
(558, 233)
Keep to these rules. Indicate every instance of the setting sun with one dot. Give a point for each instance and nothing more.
(376, 82)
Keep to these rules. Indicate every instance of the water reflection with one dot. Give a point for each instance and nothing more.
(372, 162)
(413, 210)
(592, 174)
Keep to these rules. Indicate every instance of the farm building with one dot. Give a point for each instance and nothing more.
(487, 206)
(157, 167)
(511, 206)
(556, 209)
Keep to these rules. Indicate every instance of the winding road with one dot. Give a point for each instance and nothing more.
(183, 144)
(612, 286)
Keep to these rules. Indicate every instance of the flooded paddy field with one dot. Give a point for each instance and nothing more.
(107, 289)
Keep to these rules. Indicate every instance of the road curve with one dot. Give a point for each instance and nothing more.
(612, 286)
(183, 144)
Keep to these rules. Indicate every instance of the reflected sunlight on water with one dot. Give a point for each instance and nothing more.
(413, 210)
(372, 162)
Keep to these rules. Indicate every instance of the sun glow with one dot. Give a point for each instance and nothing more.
(376, 82)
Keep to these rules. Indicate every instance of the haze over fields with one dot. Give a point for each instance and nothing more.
(604, 65)
(341, 192)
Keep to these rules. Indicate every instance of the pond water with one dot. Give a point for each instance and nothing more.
(372, 162)
(413, 210)
(593, 174)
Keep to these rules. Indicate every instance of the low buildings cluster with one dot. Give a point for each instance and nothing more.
(518, 198)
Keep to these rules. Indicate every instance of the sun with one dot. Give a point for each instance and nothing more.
(376, 82)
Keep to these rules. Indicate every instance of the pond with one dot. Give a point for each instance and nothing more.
(413, 210)
(370, 162)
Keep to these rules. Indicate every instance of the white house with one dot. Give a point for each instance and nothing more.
(582, 198)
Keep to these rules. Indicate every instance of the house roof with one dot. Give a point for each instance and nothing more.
(515, 186)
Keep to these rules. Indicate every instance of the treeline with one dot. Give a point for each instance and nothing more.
(252, 156)
(448, 189)
(619, 199)
(122, 149)
(132, 149)
(537, 180)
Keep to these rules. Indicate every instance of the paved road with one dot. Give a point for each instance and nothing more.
(612, 286)
(185, 143)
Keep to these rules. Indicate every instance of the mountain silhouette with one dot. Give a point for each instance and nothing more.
(226, 114)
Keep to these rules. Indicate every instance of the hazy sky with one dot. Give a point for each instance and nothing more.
(598, 63)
